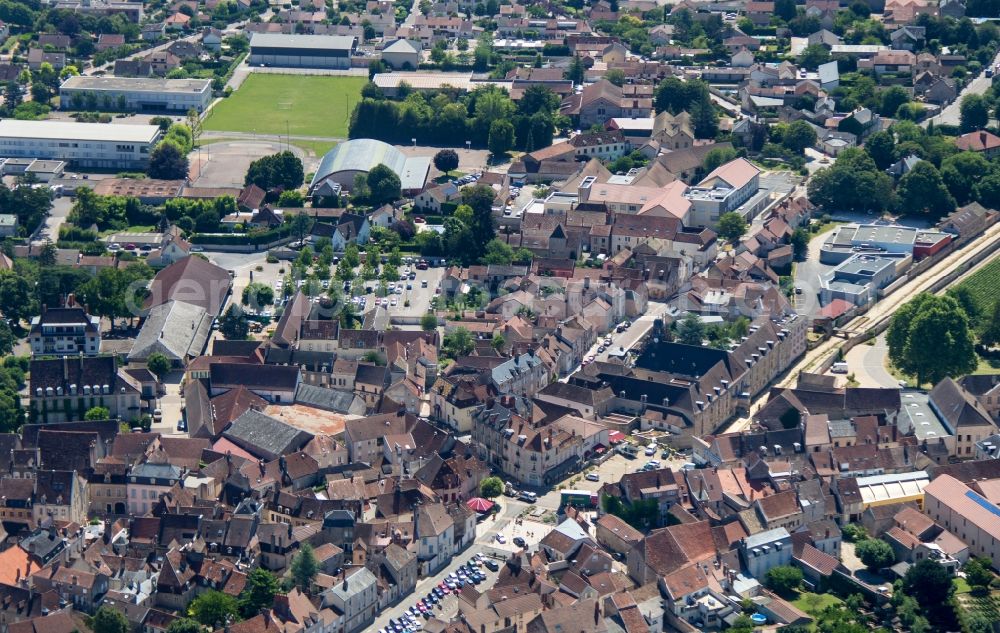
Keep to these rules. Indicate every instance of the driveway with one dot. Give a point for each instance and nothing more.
(170, 404)
(867, 363)
(49, 230)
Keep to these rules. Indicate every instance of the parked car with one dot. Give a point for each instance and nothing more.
(593, 477)
(500, 539)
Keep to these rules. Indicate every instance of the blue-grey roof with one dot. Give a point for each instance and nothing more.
(363, 154)
(175, 329)
(509, 369)
(265, 436)
(766, 537)
(572, 529)
(156, 471)
(353, 585)
(329, 399)
(828, 72)
(283, 40)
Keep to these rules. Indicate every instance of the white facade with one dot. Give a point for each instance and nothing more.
(110, 146)
(134, 94)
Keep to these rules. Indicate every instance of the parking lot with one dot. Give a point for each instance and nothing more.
(446, 605)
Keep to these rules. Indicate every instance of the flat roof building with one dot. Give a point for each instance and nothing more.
(884, 239)
(302, 51)
(858, 279)
(137, 94)
(108, 146)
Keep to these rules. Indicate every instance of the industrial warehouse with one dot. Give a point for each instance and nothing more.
(302, 51)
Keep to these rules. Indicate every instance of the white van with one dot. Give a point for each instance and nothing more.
(839, 368)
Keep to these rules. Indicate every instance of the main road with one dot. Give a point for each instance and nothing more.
(951, 114)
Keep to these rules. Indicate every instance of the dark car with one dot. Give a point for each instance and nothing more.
(519, 542)
(491, 565)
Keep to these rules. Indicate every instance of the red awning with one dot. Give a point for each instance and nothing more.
(479, 504)
(616, 436)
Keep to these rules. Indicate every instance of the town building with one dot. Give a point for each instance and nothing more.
(68, 330)
(106, 146)
(127, 94)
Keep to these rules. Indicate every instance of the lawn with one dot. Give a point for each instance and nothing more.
(300, 105)
(813, 603)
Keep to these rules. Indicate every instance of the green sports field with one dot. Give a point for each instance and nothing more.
(300, 105)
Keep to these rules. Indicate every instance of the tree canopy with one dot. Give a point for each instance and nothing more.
(929, 337)
(283, 169)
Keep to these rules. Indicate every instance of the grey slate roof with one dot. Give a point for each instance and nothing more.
(176, 329)
(509, 369)
(329, 399)
(264, 436)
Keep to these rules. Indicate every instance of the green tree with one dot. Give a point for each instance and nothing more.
(922, 189)
(301, 223)
(214, 608)
(234, 325)
(974, 113)
(717, 156)
(800, 243)
(458, 342)
(498, 252)
(732, 226)
(283, 169)
(784, 9)
(168, 162)
(258, 295)
(991, 333)
(881, 146)
(184, 625)
(978, 572)
(852, 183)
(615, 76)
(428, 322)
(116, 293)
(7, 339)
(930, 584)
(501, 139)
(892, 99)
(158, 364)
(291, 199)
(967, 301)
(925, 318)
(875, 554)
(491, 487)
(97, 413)
(109, 620)
(304, 568)
(383, 184)
(813, 56)
(798, 136)
(690, 330)
(446, 160)
(16, 300)
(960, 173)
(576, 70)
(783, 579)
(258, 593)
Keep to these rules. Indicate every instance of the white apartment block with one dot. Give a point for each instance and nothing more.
(108, 146)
